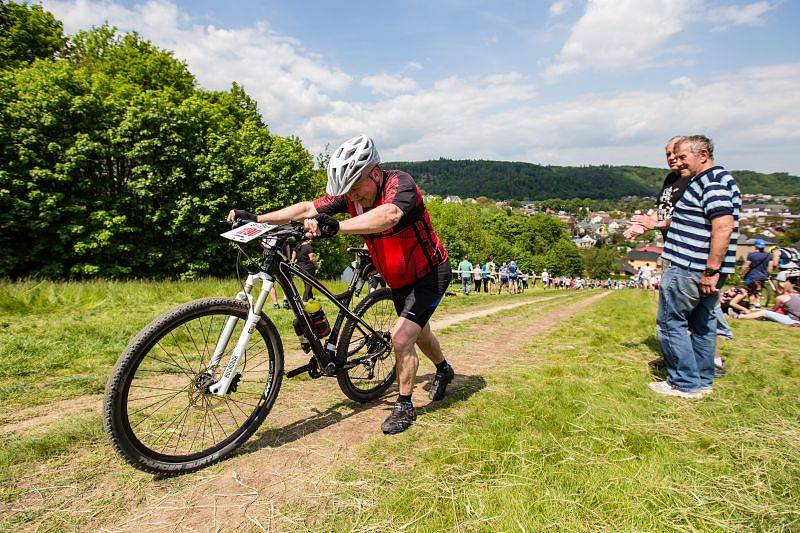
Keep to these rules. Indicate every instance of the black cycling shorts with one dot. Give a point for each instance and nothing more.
(418, 301)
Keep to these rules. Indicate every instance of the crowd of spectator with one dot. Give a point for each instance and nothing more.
(493, 277)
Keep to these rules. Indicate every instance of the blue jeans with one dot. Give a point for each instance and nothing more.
(683, 309)
(466, 284)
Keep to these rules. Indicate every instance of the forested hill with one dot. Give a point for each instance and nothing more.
(527, 181)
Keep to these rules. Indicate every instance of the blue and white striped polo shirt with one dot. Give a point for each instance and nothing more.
(710, 194)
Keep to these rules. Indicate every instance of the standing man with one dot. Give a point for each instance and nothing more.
(756, 270)
(545, 279)
(491, 274)
(699, 254)
(503, 277)
(513, 278)
(465, 271)
(385, 207)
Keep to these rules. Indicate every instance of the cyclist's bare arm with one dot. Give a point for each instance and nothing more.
(298, 211)
(375, 220)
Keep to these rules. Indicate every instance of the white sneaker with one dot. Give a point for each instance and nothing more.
(662, 387)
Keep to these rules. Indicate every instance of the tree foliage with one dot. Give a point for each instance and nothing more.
(527, 181)
(27, 32)
(113, 163)
(535, 242)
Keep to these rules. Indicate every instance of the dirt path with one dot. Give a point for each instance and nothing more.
(38, 418)
(313, 431)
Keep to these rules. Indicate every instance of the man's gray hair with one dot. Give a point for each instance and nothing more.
(674, 140)
(698, 144)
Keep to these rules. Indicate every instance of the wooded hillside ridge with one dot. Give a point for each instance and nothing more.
(528, 181)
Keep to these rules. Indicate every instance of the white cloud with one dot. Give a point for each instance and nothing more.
(752, 114)
(749, 14)
(617, 34)
(288, 82)
(388, 84)
(558, 7)
(414, 65)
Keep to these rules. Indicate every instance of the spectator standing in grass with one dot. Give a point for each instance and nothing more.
(756, 270)
(485, 274)
(671, 191)
(699, 254)
(503, 277)
(513, 278)
(491, 273)
(465, 271)
(477, 276)
(545, 279)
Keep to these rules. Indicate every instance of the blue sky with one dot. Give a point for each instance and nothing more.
(556, 82)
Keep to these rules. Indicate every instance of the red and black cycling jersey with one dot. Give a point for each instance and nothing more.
(406, 252)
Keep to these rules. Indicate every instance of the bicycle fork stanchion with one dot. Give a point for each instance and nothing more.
(220, 388)
(225, 336)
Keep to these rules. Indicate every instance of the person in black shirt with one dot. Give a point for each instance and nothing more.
(674, 185)
(306, 260)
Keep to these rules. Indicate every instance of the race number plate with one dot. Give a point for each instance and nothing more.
(248, 232)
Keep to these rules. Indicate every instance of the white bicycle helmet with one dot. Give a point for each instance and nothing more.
(348, 163)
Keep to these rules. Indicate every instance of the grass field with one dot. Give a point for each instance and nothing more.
(572, 438)
(59, 341)
(565, 436)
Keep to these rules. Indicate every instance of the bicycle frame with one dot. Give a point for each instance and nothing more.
(324, 354)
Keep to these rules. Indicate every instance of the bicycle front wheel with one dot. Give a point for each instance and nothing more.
(159, 412)
(365, 360)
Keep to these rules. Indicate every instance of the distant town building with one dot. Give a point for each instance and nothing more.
(584, 242)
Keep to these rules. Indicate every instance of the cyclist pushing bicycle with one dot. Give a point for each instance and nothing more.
(386, 207)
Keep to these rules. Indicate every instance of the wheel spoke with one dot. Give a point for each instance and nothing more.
(170, 414)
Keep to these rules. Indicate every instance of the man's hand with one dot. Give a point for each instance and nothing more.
(634, 231)
(648, 221)
(321, 225)
(708, 284)
(241, 214)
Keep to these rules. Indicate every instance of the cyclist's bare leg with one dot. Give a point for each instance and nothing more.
(404, 337)
(429, 344)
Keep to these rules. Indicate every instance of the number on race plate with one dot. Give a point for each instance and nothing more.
(248, 232)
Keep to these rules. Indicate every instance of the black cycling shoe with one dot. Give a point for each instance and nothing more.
(286, 304)
(440, 381)
(401, 418)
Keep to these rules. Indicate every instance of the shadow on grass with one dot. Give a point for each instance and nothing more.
(462, 387)
(650, 342)
(656, 370)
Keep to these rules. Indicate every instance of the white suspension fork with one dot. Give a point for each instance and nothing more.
(220, 388)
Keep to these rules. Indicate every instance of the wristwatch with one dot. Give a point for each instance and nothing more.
(711, 271)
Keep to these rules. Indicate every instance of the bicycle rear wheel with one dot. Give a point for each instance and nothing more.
(368, 365)
(159, 412)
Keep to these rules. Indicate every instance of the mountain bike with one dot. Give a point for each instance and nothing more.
(199, 380)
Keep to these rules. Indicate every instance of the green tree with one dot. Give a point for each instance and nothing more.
(114, 164)
(27, 32)
(600, 262)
